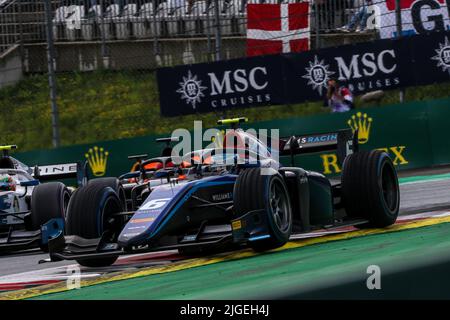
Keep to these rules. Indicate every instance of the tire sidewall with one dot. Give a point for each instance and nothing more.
(362, 188)
(87, 207)
(108, 195)
(48, 202)
(385, 160)
(115, 184)
(275, 231)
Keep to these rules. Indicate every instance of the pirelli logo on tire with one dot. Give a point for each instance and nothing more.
(363, 122)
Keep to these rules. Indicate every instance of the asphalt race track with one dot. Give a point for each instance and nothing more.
(418, 195)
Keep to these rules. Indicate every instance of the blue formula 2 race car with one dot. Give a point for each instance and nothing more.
(31, 211)
(228, 197)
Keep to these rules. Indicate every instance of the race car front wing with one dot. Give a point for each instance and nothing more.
(77, 248)
(13, 240)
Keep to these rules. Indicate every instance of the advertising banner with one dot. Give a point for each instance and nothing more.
(431, 58)
(361, 68)
(210, 87)
(299, 77)
(418, 17)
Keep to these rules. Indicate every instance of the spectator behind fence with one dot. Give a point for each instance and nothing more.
(360, 17)
(339, 99)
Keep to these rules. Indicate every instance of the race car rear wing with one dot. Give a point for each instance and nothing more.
(166, 152)
(344, 142)
(75, 170)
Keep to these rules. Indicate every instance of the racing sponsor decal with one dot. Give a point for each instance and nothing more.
(236, 225)
(57, 169)
(222, 196)
(97, 158)
(142, 220)
(318, 139)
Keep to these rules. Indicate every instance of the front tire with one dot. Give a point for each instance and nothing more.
(48, 201)
(90, 215)
(370, 188)
(115, 184)
(254, 191)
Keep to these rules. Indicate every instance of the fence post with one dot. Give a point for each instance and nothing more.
(51, 73)
(21, 48)
(218, 31)
(156, 52)
(398, 18)
(316, 17)
(104, 49)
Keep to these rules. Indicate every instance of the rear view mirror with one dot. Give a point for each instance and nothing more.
(30, 183)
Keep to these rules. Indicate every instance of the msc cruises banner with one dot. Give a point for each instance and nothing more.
(361, 67)
(213, 86)
(298, 77)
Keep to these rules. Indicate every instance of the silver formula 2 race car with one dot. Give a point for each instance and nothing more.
(233, 196)
(31, 212)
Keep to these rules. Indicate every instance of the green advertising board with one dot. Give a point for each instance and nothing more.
(414, 134)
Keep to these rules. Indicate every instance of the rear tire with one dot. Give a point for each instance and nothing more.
(370, 188)
(48, 201)
(254, 191)
(90, 216)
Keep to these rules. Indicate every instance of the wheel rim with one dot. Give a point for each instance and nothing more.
(110, 224)
(279, 206)
(389, 187)
(66, 199)
(122, 198)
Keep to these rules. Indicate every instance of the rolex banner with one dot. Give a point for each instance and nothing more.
(298, 77)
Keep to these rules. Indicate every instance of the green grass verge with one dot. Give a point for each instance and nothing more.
(112, 105)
